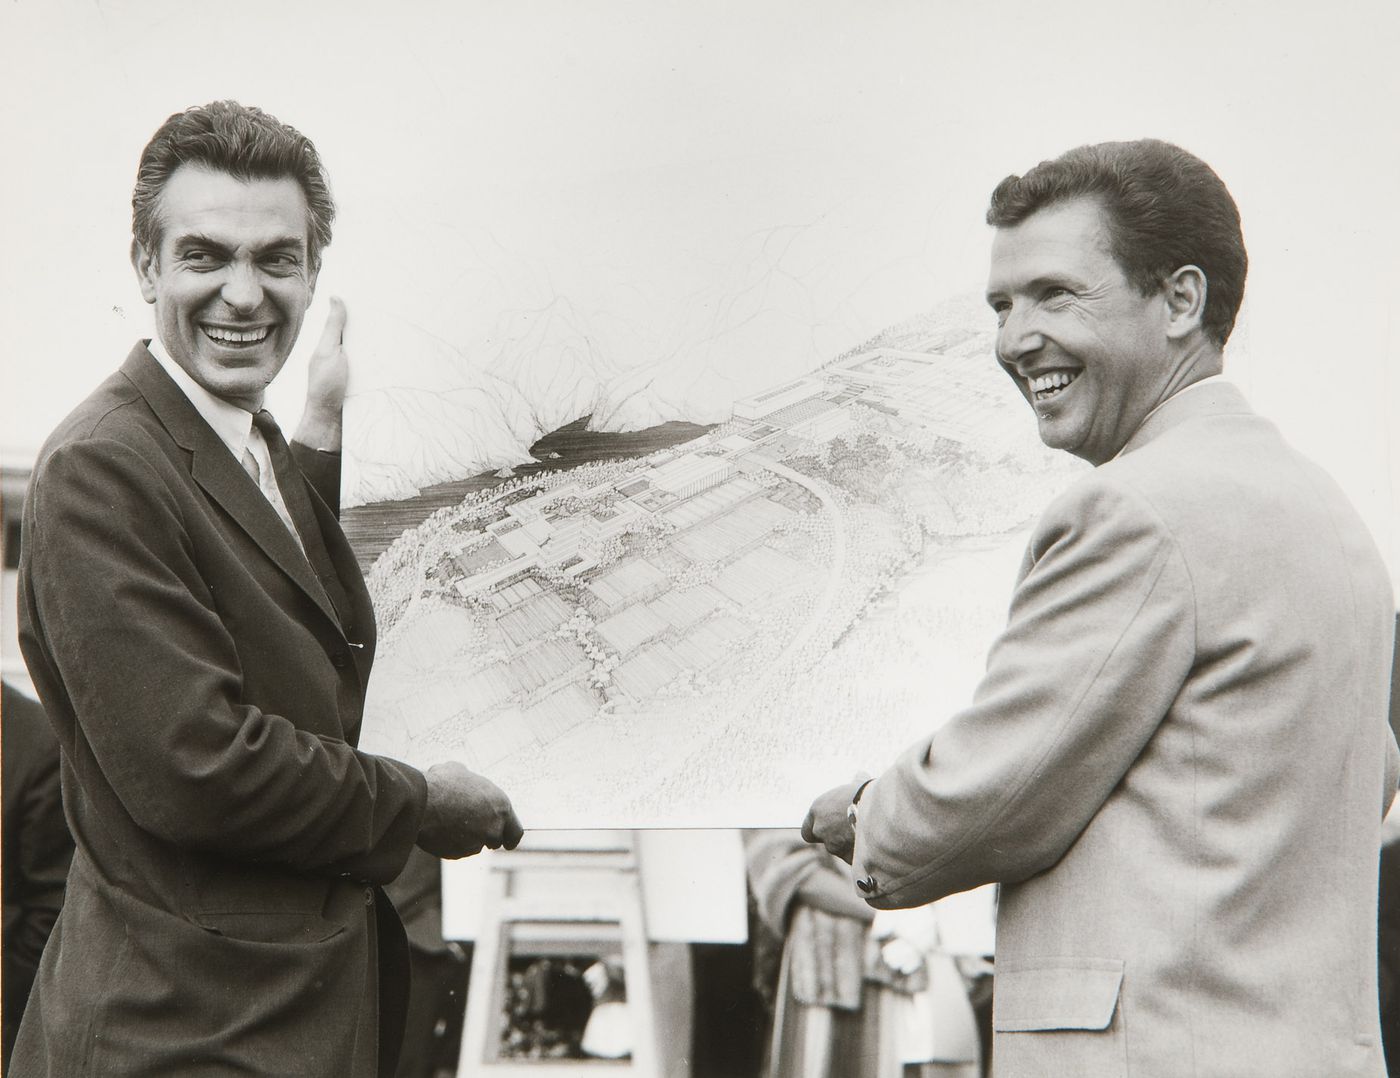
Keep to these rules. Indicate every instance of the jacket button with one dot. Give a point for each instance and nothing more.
(866, 885)
(340, 660)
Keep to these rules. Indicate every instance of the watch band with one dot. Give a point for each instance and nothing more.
(855, 800)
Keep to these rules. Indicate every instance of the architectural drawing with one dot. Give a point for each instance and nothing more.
(711, 633)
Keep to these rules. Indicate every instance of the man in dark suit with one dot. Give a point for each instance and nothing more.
(37, 849)
(201, 637)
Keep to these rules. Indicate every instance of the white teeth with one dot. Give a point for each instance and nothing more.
(236, 336)
(1047, 386)
(1053, 380)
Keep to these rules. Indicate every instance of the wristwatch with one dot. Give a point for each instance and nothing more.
(855, 800)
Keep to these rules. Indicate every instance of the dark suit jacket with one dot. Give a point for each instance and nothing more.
(222, 905)
(37, 848)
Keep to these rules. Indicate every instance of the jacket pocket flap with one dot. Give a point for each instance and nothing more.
(1057, 993)
(278, 927)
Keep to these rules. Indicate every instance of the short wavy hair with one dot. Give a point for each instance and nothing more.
(1165, 208)
(245, 142)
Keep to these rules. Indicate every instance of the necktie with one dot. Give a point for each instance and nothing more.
(262, 475)
(250, 465)
(292, 486)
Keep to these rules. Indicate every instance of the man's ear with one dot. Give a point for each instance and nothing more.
(1185, 292)
(145, 265)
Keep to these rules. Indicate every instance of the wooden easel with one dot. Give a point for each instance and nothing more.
(569, 893)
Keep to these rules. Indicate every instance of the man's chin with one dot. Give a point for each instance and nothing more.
(1052, 432)
(246, 392)
(236, 378)
(1055, 433)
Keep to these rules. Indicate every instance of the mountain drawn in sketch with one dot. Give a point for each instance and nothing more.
(551, 358)
(686, 638)
(421, 411)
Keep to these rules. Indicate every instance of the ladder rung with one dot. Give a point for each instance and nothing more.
(571, 1068)
(531, 937)
(564, 909)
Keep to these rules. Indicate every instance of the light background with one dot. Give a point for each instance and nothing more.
(645, 161)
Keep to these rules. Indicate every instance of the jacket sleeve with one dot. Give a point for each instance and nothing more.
(779, 863)
(1099, 641)
(322, 468)
(116, 602)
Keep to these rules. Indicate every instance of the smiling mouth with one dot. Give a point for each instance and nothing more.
(1047, 387)
(236, 338)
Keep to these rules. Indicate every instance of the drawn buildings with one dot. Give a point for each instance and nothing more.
(676, 582)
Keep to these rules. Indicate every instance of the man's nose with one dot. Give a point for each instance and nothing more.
(242, 289)
(1018, 337)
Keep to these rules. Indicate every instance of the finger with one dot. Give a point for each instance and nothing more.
(513, 831)
(334, 332)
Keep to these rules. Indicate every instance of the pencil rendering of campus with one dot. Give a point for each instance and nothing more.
(644, 640)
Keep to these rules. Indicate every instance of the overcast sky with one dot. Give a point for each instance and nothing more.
(630, 157)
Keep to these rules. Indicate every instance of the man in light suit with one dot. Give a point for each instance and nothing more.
(1177, 762)
(201, 637)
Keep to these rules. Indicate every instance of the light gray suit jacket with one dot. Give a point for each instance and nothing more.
(1176, 765)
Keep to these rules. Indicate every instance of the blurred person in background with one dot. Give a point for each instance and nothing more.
(37, 848)
(953, 939)
(853, 994)
(1389, 950)
(1389, 901)
(438, 971)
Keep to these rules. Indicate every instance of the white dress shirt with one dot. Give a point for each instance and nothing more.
(234, 426)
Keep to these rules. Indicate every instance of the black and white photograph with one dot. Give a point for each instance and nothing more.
(789, 540)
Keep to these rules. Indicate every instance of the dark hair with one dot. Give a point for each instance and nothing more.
(245, 142)
(1165, 209)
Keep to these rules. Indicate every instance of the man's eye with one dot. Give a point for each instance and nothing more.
(199, 258)
(1003, 311)
(1058, 292)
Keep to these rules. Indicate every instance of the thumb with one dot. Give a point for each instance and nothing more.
(334, 332)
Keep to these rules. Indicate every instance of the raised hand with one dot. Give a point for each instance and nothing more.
(328, 376)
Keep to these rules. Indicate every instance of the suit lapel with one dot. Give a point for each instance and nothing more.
(358, 620)
(221, 477)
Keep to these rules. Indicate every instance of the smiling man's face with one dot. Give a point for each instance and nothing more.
(1086, 348)
(231, 280)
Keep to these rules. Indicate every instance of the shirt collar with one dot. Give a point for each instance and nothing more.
(230, 422)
